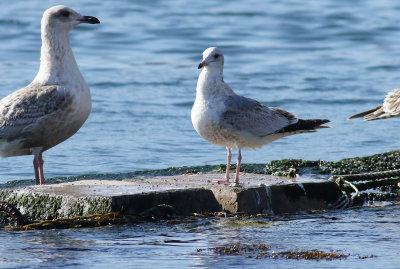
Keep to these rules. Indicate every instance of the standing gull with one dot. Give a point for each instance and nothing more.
(389, 109)
(226, 119)
(56, 103)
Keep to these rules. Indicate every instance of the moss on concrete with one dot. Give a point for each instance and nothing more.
(375, 163)
(286, 167)
(35, 206)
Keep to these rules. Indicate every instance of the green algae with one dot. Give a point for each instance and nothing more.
(375, 163)
(118, 176)
(286, 167)
(45, 206)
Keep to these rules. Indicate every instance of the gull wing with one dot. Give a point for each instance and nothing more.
(389, 109)
(24, 109)
(245, 114)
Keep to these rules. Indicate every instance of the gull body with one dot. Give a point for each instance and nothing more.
(226, 119)
(56, 103)
(389, 109)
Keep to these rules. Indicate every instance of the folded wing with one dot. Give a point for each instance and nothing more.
(24, 109)
(245, 114)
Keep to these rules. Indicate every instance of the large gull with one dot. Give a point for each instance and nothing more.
(226, 119)
(389, 109)
(56, 103)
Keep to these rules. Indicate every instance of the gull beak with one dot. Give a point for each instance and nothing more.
(203, 63)
(89, 19)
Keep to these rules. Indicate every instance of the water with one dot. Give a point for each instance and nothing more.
(317, 59)
(369, 236)
(323, 59)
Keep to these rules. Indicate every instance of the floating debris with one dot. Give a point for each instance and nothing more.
(309, 255)
(250, 251)
(241, 223)
(259, 251)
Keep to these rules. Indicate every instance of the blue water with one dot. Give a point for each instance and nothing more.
(317, 59)
(370, 238)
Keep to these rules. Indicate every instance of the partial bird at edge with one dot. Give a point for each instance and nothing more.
(389, 109)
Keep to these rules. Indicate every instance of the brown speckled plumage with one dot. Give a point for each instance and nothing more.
(57, 102)
(389, 109)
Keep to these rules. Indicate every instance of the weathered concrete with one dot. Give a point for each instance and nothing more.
(186, 194)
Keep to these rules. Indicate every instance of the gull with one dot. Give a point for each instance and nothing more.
(226, 119)
(389, 109)
(56, 103)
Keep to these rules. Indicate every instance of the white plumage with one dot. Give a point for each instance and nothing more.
(226, 119)
(56, 103)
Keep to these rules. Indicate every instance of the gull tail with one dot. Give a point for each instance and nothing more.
(365, 114)
(303, 126)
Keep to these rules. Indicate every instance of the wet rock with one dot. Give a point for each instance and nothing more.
(164, 196)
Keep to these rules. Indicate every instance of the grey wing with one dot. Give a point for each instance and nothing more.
(245, 114)
(391, 104)
(27, 107)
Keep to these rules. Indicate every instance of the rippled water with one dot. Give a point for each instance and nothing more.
(323, 59)
(369, 236)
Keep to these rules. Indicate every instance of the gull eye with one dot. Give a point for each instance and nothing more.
(65, 13)
(216, 56)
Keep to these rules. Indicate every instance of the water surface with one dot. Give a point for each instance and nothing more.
(317, 59)
(369, 236)
(320, 59)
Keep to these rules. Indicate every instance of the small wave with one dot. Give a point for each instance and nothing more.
(13, 22)
(241, 14)
(184, 104)
(321, 102)
(384, 67)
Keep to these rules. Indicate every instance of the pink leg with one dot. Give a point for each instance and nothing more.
(239, 160)
(35, 168)
(228, 167)
(38, 167)
(41, 162)
(228, 163)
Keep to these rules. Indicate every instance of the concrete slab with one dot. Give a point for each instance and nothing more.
(185, 194)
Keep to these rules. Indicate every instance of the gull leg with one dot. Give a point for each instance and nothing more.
(35, 168)
(228, 167)
(239, 160)
(41, 162)
(38, 165)
(228, 163)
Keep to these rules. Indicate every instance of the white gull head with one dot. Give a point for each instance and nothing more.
(212, 59)
(63, 18)
(57, 62)
(211, 80)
